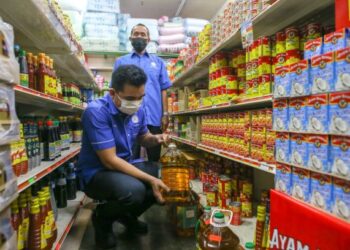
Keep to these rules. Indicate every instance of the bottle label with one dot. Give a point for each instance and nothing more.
(20, 239)
(47, 84)
(25, 225)
(47, 227)
(214, 237)
(42, 150)
(77, 135)
(43, 239)
(24, 80)
(52, 150)
(52, 221)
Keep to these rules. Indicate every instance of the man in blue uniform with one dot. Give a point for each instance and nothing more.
(107, 166)
(155, 101)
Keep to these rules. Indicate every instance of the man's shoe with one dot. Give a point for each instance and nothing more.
(104, 236)
(133, 225)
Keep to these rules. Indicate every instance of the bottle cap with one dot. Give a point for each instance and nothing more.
(249, 245)
(207, 208)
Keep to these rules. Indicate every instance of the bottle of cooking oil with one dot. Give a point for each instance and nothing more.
(175, 174)
(204, 221)
(218, 236)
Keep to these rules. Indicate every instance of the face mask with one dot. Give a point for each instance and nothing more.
(129, 107)
(139, 44)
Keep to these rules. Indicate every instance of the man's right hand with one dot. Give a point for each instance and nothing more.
(157, 186)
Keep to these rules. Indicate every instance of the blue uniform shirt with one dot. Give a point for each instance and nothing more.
(157, 80)
(104, 126)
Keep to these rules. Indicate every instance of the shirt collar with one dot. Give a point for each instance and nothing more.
(133, 53)
(111, 106)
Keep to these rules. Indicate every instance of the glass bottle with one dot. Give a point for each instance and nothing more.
(61, 190)
(42, 77)
(23, 68)
(24, 213)
(35, 233)
(31, 71)
(71, 182)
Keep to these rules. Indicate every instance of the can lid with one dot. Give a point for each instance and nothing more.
(249, 245)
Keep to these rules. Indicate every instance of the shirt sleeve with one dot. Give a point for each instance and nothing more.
(164, 80)
(98, 129)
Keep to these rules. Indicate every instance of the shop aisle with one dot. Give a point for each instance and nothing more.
(159, 237)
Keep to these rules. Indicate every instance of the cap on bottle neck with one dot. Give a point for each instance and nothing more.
(219, 218)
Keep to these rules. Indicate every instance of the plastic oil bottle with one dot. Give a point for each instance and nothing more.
(175, 174)
(203, 222)
(218, 236)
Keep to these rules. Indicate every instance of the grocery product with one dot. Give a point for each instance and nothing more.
(339, 115)
(283, 178)
(342, 69)
(299, 149)
(341, 198)
(300, 79)
(321, 191)
(203, 222)
(282, 82)
(280, 115)
(218, 235)
(61, 190)
(317, 113)
(322, 73)
(282, 147)
(313, 48)
(301, 184)
(175, 174)
(340, 156)
(298, 114)
(336, 40)
(318, 153)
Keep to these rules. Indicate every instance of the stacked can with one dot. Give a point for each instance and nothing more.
(246, 195)
(204, 42)
(258, 136)
(224, 191)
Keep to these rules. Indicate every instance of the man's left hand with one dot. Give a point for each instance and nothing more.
(163, 139)
(165, 122)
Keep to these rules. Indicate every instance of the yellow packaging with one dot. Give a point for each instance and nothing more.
(265, 85)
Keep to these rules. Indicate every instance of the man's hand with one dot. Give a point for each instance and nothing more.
(157, 186)
(165, 122)
(163, 139)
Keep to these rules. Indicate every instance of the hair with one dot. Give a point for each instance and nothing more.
(128, 74)
(142, 25)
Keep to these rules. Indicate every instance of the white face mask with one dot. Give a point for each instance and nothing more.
(129, 107)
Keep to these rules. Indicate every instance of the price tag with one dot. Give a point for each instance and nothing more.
(32, 180)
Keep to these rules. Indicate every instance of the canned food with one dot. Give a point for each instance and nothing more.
(247, 210)
(264, 65)
(235, 207)
(254, 69)
(280, 42)
(265, 84)
(212, 198)
(280, 60)
(241, 57)
(221, 60)
(225, 71)
(292, 38)
(241, 85)
(264, 47)
(313, 31)
(225, 188)
(231, 85)
(292, 56)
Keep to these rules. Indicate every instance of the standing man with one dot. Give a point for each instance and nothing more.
(107, 166)
(155, 101)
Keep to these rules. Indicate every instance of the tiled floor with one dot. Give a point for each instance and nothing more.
(160, 236)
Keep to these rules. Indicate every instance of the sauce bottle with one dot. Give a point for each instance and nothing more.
(49, 146)
(59, 87)
(45, 223)
(204, 221)
(41, 136)
(35, 232)
(17, 224)
(42, 77)
(52, 222)
(23, 68)
(218, 236)
(53, 78)
(260, 223)
(36, 68)
(24, 213)
(31, 71)
(48, 85)
(71, 182)
(61, 190)
(58, 139)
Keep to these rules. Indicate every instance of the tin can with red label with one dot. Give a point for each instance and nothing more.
(280, 60)
(280, 42)
(231, 85)
(212, 198)
(313, 31)
(225, 188)
(264, 46)
(225, 71)
(224, 202)
(241, 57)
(241, 85)
(292, 38)
(292, 56)
(303, 38)
(235, 207)
(221, 60)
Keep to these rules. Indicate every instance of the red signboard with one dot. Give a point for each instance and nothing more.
(298, 226)
(342, 14)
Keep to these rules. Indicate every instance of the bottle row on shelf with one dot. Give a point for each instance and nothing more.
(325, 192)
(43, 139)
(34, 214)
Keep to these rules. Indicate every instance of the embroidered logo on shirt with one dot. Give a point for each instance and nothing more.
(134, 119)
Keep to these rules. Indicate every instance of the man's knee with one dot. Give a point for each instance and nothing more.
(134, 194)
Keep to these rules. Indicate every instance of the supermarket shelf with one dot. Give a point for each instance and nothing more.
(268, 22)
(122, 53)
(66, 218)
(97, 68)
(35, 98)
(6, 203)
(308, 133)
(45, 33)
(312, 170)
(269, 168)
(46, 167)
(194, 73)
(245, 231)
(240, 104)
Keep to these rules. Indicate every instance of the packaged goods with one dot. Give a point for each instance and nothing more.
(100, 44)
(322, 73)
(100, 18)
(283, 178)
(313, 31)
(300, 79)
(342, 69)
(339, 113)
(103, 6)
(282, 82)
(99, 30)
(76, 19)
(301, 184)
(299, 149)
(341, 198)
(340, 156)
(318, 150)
(313, 48)
(317, 112)
(321, 191)
(280, 115)
(336, 40)
(298, 114)
(282, 147)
